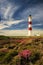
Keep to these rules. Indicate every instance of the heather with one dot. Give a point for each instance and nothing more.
(21, 50)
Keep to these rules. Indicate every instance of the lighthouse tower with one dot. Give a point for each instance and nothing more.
(30, 25)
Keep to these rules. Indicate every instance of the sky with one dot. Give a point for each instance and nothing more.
(14, 16)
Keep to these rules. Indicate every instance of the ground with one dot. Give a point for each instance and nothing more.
(10, 47)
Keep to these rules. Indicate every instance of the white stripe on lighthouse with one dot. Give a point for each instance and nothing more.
(29, 25)
(30, 19)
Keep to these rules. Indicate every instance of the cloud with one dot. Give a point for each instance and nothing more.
(19, 32)
(7, 24)
(1, 1)
(2, 26)
(18, 9)
(37, 24)
(8, 9)
(13, 32)
(35, 11)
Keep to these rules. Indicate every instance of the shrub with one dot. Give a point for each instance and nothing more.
(34, 57)
(2, 55)
(9, 56)
(4, 37)
(25, 54)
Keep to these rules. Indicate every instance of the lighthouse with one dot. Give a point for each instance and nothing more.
(30, 25)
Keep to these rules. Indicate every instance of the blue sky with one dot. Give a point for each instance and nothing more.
(14, 14)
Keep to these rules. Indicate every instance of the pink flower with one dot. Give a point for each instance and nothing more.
(25, 53)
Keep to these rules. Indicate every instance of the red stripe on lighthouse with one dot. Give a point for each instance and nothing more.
(30, 28)
(30, 22)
